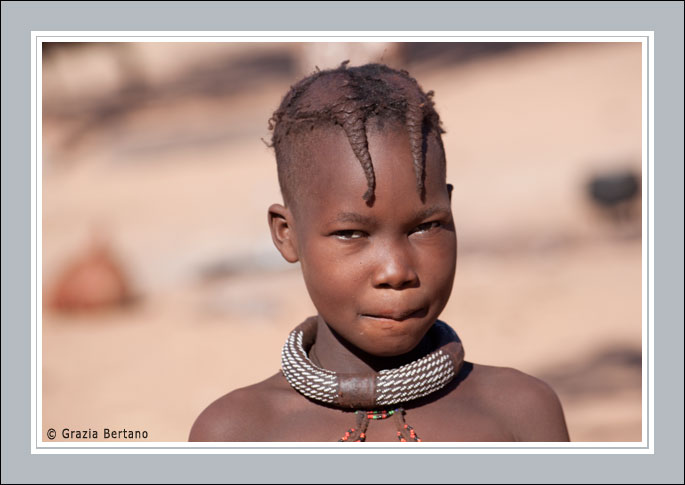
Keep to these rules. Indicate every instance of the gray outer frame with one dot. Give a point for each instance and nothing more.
(664, 18)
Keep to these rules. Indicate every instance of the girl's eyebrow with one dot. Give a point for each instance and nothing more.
(354, 217)
(429, 211)
(357, 218)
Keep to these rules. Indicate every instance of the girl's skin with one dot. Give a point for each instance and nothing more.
(379, 276)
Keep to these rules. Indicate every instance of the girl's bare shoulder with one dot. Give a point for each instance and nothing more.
(243, 414)
(526, 405)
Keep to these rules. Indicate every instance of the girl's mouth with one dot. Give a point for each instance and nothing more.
(396, 315)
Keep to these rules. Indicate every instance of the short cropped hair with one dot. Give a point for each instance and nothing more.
(348, 97)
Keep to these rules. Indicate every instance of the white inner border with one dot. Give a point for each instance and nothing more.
(646, 446)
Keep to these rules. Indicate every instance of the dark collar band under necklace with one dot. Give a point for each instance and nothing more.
(367, 391)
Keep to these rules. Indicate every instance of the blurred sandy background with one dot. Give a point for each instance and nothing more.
(162, 289)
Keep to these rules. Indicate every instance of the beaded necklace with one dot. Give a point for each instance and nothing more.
(372, 390)
(404, 431)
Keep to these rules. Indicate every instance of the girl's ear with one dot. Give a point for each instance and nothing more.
(282, 232)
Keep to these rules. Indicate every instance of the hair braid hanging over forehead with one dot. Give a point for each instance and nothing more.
(349, 97)
(414, 123)
(346, 115)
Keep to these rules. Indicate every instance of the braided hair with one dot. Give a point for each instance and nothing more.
(349, 97)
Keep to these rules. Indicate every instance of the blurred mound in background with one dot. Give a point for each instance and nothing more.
(93, 280)
(163, 142)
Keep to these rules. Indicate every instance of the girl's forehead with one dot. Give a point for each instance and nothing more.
(335, 181)
(329, 150)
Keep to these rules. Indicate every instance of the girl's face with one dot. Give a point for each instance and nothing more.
(381, 275)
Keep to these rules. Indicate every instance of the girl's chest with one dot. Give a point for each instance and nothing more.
(428, 424)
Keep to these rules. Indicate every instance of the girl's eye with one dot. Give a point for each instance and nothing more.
(426, 226)
(349, 234)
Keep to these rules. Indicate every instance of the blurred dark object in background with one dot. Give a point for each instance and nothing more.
(608, 370)
(459, 52)
(119, 81)
(615, 194)
(94, 280)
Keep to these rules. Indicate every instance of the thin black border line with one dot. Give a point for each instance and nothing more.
(647, 262)
(336, 36)
(39, 43)
(328, 448)
(35, 127)
(646, 438)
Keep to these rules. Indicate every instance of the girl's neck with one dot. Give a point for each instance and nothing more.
(332, 352)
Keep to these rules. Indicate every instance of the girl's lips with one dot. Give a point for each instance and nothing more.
(397, 316)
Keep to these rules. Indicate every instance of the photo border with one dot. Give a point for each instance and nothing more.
(19, 18)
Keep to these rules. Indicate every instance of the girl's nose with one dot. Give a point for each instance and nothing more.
(395, 268)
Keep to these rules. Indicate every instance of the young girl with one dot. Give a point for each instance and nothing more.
(366, 212)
